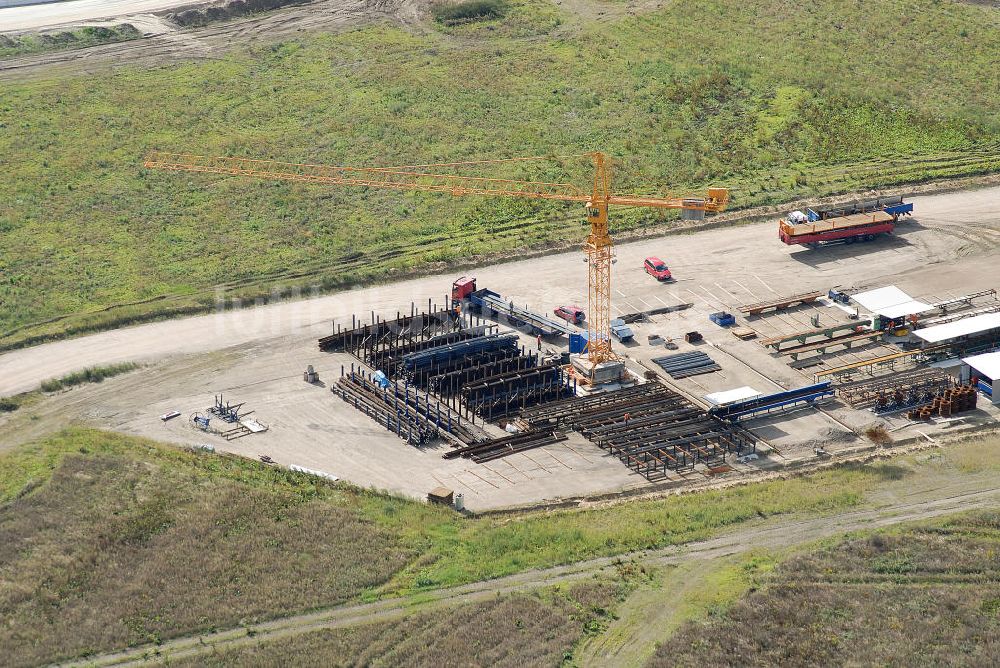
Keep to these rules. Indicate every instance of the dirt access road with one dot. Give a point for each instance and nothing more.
(919, 503)
(45, 15)
(165, 41)
(950, 248)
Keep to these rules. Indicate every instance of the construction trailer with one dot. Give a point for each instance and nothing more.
(984, 371)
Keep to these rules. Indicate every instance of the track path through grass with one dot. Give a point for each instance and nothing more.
(966, 493)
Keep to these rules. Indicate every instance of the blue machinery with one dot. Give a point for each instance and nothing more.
(773, 402)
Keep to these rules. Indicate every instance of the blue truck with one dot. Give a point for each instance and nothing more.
(621, 331)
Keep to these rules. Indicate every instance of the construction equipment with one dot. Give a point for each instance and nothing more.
(413, 178)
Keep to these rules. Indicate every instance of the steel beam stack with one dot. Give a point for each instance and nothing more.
(414, 327)
(447, 384)
(650, 428)
(507, 445)
(684, 365)
(419, 367)
(505, 394)
(414, 416)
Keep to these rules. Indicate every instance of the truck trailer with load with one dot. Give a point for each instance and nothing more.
(492, 305)
(851, 222)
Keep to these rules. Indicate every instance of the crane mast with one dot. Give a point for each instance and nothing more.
(598, 246)
(599, 257)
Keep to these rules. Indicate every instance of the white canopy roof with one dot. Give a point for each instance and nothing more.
(963, 327)
(987, 364)
(890, 302)
(731, 396)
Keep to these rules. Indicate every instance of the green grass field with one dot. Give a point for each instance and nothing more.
(108, 541)
(773, 100)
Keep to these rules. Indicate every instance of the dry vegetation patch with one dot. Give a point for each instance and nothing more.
(114, 552)
(520, 630)
(108, 541)
(918, 597)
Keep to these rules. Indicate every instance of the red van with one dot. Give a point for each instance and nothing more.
(657, 268)
(571, 314)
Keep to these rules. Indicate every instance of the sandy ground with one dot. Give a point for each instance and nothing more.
(257, 356)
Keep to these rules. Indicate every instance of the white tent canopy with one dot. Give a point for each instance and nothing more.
(987, 364)
(963, 327)
(731, 396)
(890, 302)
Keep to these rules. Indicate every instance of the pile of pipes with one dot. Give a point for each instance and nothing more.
(684, 365)
(955, 400)
(507, 445)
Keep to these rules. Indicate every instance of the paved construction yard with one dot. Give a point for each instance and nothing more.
(257, 357)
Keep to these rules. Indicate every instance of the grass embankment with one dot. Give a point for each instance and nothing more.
(108, 540)
(927, 596)
(94, 374)
(774, 101)
(31, 43)
(227, 11)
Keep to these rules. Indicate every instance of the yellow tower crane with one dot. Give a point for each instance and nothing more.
(598, 247)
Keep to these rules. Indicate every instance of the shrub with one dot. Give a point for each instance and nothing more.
(94, 374)
(450, 14)
(878, 435)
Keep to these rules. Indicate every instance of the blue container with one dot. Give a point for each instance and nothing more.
(577, 343)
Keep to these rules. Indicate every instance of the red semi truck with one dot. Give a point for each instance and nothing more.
(859, 227)
(859, 221)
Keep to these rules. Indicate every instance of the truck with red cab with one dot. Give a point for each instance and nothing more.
(657, 268)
